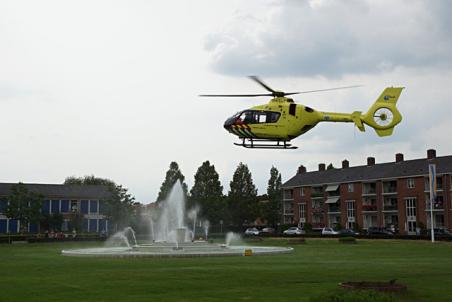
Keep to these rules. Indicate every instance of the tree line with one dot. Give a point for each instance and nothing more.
(241, 206)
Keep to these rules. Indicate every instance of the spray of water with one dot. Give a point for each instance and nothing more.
(172, 215)
(193, 214)
(206, 226)
(233, 239)
(121, 238)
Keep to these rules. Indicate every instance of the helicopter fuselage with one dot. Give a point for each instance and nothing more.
(280, 119)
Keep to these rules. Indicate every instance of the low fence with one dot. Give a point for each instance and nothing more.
(33, 238)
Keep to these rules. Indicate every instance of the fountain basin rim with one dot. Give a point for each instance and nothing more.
(214, 251)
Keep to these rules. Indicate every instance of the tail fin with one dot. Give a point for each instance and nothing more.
(383, 116)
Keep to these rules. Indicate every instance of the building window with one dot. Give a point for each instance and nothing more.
(288, 208)
(302, 191)
(410, 183)
(74, 206)
(350, 188)
(350, 214)
(288, 194)
(302, 211)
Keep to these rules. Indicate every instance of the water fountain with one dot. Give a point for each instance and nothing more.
(172, 238)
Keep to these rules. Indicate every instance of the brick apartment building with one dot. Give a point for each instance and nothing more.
(67, 200)
(393, 195)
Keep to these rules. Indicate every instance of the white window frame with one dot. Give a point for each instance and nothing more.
(351, 213)
(350, 187)
(302, 211)
(410, 183)
(302, 191)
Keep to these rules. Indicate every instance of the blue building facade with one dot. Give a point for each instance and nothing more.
(68, 200)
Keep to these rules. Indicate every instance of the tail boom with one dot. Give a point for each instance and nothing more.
(383, 115)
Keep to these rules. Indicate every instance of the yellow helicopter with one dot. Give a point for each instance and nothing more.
(274, 125)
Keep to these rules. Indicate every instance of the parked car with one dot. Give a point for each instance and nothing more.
(329, 231)
(294, 231)
(444, 233)
(252, 232)
(267, 231)
(372, 231)
(347, 232)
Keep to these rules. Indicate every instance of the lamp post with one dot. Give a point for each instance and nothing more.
(432, 182)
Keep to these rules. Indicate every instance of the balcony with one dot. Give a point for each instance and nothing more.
(437, 205)
(369, 207)
(390, 187)
(317, 210)
(390, 207)
(316, 194)
(439, 184)
(334, 209)
(369, 188)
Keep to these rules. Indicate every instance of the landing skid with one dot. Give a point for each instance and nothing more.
(256, 144)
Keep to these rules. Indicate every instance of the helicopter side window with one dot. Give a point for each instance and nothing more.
(272, 117)
(261, 117)
(246, 117)
(258, 117)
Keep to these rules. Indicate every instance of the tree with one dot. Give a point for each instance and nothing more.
(242, 202)
(172, 175)
(270, 210)
(89, 180)
(330, 167)
(207, 192)
(52, 221)
(24, 206)
(118, 206)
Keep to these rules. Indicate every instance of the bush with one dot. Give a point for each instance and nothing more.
(347, 239)
(307, 227)
(296, 241)
(353, 296)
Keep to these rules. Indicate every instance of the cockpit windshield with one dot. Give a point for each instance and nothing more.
(258, 117)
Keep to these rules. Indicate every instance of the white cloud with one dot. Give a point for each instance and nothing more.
(333, 38)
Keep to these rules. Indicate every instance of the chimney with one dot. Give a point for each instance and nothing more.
(431, 153)
(345, 164)
(321, 167)
(398, 157)
(301, 169)
(371, 161)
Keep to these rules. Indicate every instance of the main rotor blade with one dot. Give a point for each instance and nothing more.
(255, 78)
(235, 95)
(328, 89)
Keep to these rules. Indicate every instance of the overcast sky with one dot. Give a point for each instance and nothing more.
(110, 87)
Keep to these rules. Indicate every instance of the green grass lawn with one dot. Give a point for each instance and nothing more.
(37, 272)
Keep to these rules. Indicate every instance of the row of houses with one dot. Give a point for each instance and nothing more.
(67, 200)
(392, 195)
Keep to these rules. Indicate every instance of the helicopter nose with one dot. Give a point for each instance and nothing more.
(228, 123)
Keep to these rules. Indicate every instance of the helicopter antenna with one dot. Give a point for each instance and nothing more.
(274, 93)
